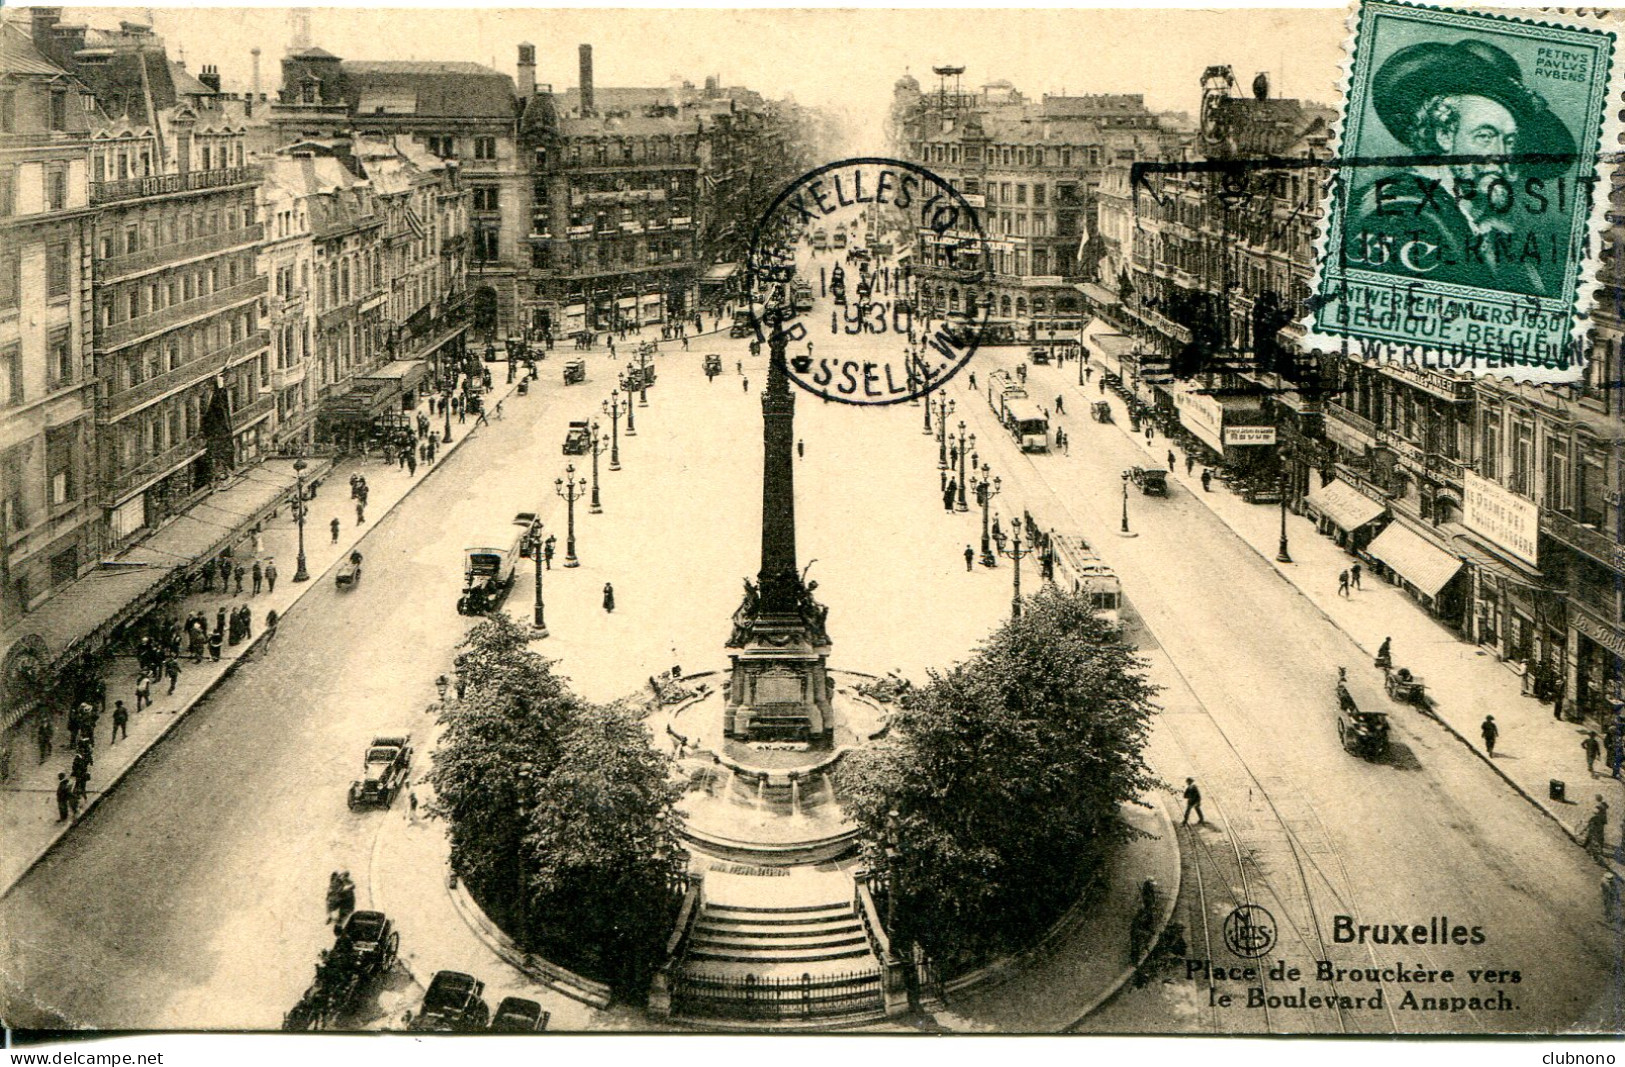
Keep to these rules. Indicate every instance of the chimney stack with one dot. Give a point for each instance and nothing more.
(43, 21)
(254, 97)
(527, 71)
(587, 105)
(210, 76)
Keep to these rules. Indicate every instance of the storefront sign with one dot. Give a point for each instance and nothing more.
(1202, 415)
(1502, 516)
(1609, 639)
(1239, 436)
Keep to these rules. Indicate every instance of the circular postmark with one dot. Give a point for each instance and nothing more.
(1249, 931)
(873, 273)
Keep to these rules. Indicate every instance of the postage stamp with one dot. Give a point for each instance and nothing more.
(1465, 221)
(817, 236)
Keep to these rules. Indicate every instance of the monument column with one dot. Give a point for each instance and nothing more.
(779, 577)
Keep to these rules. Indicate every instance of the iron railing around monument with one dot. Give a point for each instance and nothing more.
(753, 997)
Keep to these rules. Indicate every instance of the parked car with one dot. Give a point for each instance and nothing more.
(1153, 481)
(575, 371)
(516, 1015)
(384, 770)
(453, 1004)
(713, 365)
(1038, 354)
(368, 941)
(578, 438)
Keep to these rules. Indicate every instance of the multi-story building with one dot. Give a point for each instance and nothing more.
(49, 520)
(1495, 505)
(458, 111)
(1035, 170)
(287, 259)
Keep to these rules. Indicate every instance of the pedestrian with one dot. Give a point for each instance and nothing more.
(1149, 433)
(1102, 384)
(121, 723)
(216, 639)
(240, 573)
(334, 527)
(406, 450)
(43, 734)
(271, 619)
(81, 775)
(609, 597)
(1193, 802)
(1354, 576)
(1490, 732)
(801, 449)
(1190, 464)
(949, 489)
(745, 385)
(412, 457)
(172, 671)
(1385, 654)
(412, 804)
(208, 575)
(1596, 825)
(970, 557)
(66, 802)
(1343, 583)
(355, 484)
(360, 514)
(259, 577)
(1170, 461)
(1589, 745)
(1060, 402)
(1207, 479)
(270, 575)
(143, 691)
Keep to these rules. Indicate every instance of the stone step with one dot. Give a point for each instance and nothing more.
(755, 913)
(726, 928)
(766, 956)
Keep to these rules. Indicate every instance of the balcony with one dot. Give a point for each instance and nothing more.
(254, 412)
(165, 184)
(124, 333)
(139, 396)
(158, 465)
(116, 267)
(1583, 537)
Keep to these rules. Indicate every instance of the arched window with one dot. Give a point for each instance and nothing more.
(1021, 307)
(1004, 306)
(953, 299)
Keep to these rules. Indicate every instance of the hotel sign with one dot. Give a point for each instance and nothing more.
(1502, 516)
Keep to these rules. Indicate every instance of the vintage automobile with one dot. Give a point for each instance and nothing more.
(453, 1004)
(488, 568)
(713, 365)
(1039, 354)
(638, 376)
(1152, 481)
(1362, 732)
(368, 942)
(384, 771)
(575, 371)
(744, 323)
(516, 1015)
(578, 438)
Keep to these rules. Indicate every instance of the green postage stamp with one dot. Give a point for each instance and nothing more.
(1477, 153)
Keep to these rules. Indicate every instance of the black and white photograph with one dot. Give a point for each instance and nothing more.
(788, 521)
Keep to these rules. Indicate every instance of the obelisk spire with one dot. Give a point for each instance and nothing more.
(779, 577)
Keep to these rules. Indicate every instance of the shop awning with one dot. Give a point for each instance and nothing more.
(1420, 562)
(1100, 294)
(1344, 505)
(721, 272)
(366, 397)
(125, 586)
(407, 372)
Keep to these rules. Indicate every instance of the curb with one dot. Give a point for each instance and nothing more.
(1278, 570)
(186, 709)
(562, 981)
(1170, 902)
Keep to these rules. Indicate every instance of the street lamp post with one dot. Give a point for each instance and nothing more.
(596, 445)
(986, 490)
(1016, 552)
(445, 406)
(1124, 530)
(612, 408)
(300, 506)
(945, 407)
(538, 550)
(643, 382)
(959, 502)
(1282, 555)
(631, 417)
(570, 489)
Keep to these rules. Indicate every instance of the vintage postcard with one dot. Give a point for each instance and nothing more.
(1098, 521)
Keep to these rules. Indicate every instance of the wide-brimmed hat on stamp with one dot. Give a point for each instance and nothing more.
(1418, 72)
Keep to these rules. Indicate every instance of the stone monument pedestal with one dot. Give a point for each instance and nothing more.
(779, 687)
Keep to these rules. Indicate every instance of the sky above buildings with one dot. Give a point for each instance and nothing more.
(847, 59)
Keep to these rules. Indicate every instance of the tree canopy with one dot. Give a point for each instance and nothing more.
(560, 811)
(991, 801)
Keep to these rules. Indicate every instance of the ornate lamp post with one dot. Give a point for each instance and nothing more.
(631, 418)
(643, 382)
(612, 408)
(570, 489)
(596, 446)
(1015, 552)
(1282, 554)
(538, 551)
(1124, 530)
(445, 406)
(945, 407)
(959, 502)
(300, 506)
(986, 490)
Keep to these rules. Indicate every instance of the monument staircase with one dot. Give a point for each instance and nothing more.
(777, 946)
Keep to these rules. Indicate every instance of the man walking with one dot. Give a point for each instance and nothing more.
(1193, 802)
(949, 489)
(172, 671)
(1170, 461)
(121, 723)
(259, 577)
(1343, 583)
(1596, 826)
(270, 575)
(360, 515)
(143, 692)
(66, 802)
(970, 557)
(334, 527)
(1060, 403)
(1207, 479)
(81, 776)
(801, 449)
(1190, 464)
(240, 573)
(1354, 576)
(1589, 745)
(1490, 732)
(609, 602)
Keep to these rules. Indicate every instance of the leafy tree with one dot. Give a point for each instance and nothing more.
(560, 812)
(996, 794)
